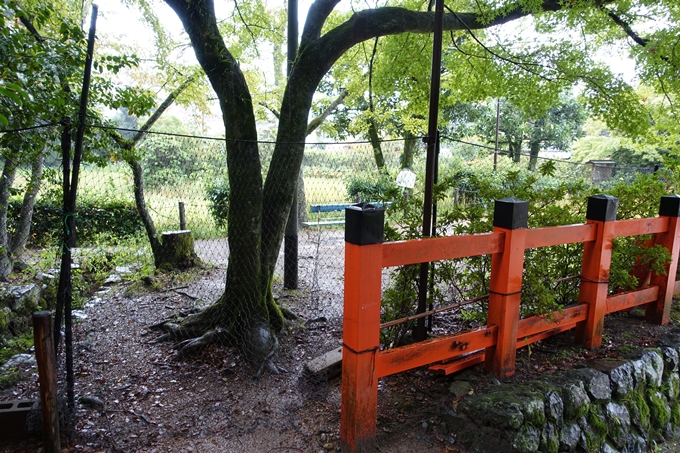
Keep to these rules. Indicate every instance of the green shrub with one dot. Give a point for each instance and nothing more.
(217, 196)
(93, 217)
(376, 187)
(550, 273)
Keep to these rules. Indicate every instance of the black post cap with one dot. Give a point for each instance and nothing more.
(510, 213)
(670, 205)
(602, 207)
(364, 224)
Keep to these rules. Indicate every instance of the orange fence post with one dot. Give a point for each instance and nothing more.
(364, 228)
(659, 312)
(597, 257)
(510, 217)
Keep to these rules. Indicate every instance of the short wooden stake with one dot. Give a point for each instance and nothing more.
(47, 377)
(361, 327)
(597, 256)
(182, 217)
(659, 312)
(505, 286)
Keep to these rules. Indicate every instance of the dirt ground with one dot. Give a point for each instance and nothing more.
(213, 403)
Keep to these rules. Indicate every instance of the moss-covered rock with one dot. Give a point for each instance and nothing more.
(550, 438)
(638, 409)
(618, 424)
(653, 361)
(527, 440)
(670, 360)
(671, 386)
(570, 434)
(659, 409)
(593, 429)
(622, 379)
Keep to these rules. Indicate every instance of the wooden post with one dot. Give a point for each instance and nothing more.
(364, 229)
(595, 267)
(659, 312)
(510, 217)
(47, 377)
(182, 217)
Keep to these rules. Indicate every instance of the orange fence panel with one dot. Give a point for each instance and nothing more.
(496, 344)
(436, 249)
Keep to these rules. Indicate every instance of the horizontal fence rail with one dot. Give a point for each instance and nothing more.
(496, 343)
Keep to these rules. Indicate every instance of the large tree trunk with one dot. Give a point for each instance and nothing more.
(6, 180)
(23, 229)
(257, 212)
(534, 148)
(246, 309)
(515, 150)
(410, 148)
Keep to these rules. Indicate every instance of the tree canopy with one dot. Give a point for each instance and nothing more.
(528, 68)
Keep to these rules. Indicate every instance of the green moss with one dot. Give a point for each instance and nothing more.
(15, 346)
(596, 430)
(10, 379)
(659, 410)
(675, 414)
(638, 409)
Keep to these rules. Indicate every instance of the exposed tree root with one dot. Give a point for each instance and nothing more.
(192, 345)
(256, 340)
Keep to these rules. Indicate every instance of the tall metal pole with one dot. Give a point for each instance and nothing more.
(432, 137)
(290, 246)
(64, 292)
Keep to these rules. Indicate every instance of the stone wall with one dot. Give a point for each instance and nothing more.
(608, 406)
(18, 302)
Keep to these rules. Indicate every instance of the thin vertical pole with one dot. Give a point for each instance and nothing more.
(47, 377)
(65, 286)
(361, 327)
(505, 286)
(660, 311)
(290, 246)
(432, 139)
(182, 217)
(597, 256)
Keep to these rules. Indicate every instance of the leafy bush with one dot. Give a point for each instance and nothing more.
(217, 196)
(550, 273)
(371, 188)
(93, 217)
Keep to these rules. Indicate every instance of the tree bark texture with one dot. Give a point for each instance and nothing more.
(534, 148)
(410, 148)
(6, 180)
(23, 229)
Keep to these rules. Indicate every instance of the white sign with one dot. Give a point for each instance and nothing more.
(406, 178)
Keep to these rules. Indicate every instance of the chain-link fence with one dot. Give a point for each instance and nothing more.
(187, 195)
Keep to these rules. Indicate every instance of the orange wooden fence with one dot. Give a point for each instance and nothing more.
(495, 344)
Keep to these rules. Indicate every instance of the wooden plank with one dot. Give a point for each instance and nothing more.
(460, 363)
(632, 299)
(634, 227)
(328, 365)
(676, 289)
(538, 324)
(436, 249)
(444, 369)
(558, 235)
(418, 354)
